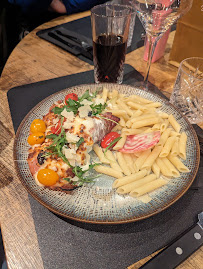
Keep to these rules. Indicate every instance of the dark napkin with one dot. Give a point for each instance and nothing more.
(68, 244)
(83, 27)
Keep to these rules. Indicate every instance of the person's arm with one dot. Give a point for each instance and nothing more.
(32, 6)
(73, 6)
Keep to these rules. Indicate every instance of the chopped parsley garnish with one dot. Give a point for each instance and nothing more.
(77, 170)
(58, 142)
(72, 105)
(88, 96)
(57, 110)
(97, 109)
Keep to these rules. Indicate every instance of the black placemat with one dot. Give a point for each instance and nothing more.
(83, 27)
(67, 244)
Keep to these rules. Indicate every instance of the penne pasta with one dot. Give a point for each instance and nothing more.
(109, 95)
(154, 104)
(105, 94)
(136, 113)
(178, 164)
(141, 159)
(149, 187)
(114, 93)
(182, 146)
(120, 143)
(149, 130)
(175, 147)
(164, 125)
(156, 127)
(163, 115)
(139, 173)
(129, 123)
(126, 131)
(164, 136)
(167, 147)
(121, 95)
(117, 128)
(128, 179)
(171, 168)
(120, 113)
(173, 133)
(130, 161)
(164, 169)
(156, 169)
(122, 122)
(140, 99)
(125, 107)
(143, 117)
(113, 162)
(136, 184)
(174, 123)
(146, 122)
(98, 150)
(152, 157)
(137, 106)
(108, 171)
(123, 164)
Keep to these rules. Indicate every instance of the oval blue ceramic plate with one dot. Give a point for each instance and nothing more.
(99, 203)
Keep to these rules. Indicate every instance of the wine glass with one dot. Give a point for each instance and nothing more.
(157, 16)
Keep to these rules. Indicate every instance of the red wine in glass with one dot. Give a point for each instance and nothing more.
(109, 56)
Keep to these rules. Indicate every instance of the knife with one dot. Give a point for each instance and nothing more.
(180, 249)
(70, 35)
(72, 48)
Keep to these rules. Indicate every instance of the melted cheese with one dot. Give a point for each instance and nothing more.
(86, 102)
(89, 124)
(84, 110)
(98, 101)
(68, 115)
(67, 125)
(69, 153)
(72, 138)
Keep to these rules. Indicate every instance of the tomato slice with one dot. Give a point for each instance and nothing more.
(107, 139)
(140, 142)
(72, 96)
(57, 128)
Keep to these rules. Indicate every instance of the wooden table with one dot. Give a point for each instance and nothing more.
(34, 60)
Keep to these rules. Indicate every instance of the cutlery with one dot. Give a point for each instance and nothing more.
(83, 43)
(180, 249)
(73, 48)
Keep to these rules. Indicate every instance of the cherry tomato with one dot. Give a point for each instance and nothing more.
(72, 96)
(47, 177)
(57, 128)
(38, 126)
(107, 139)
(36, 138)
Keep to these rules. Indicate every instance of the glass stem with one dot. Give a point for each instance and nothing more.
(152, 45)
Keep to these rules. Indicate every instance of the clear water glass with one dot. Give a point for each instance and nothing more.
(187, 94)
(132, 20)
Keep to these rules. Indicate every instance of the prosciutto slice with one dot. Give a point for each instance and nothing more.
(140, 142)
(103, 126)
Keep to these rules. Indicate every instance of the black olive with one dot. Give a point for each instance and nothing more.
(41, 158)
(89, 113)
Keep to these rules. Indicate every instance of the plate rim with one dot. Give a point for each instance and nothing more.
(134, 219)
